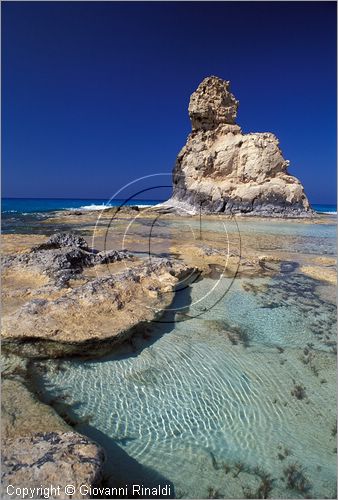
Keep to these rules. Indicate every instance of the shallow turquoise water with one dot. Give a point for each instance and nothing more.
(186, 397)
(309, 238)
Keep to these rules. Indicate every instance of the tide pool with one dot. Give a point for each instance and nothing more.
(208, 404)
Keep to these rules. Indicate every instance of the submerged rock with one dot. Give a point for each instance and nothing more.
(220, 169)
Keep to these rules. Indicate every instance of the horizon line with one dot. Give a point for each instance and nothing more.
(116, 199)
(71, 198)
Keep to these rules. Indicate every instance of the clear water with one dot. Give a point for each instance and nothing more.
(319, 239)
(186, 400)
(24, 215)
(188, 397)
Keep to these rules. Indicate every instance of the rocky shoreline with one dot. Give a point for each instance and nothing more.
(38, 447)
(59, 297)
(71, 312)
(64, 312)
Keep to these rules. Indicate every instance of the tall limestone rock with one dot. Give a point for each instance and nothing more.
(223, 170)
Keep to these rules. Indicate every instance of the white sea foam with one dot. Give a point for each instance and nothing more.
(328, 213)
(105, 207)
(92, 207)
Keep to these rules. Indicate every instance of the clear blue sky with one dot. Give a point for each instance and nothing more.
(95, 94)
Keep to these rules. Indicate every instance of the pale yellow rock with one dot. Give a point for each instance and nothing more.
(50, 458)
(220, 169)
(106, 307)
(22, 413)
(328, 275)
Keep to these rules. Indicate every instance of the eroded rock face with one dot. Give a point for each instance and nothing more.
(50, 458)
(37, 446)
(55, 320)
(63, 257)
(223, 170)
(212, 104)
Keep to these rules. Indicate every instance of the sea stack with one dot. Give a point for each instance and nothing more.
(220, 169)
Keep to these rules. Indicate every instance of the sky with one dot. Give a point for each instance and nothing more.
(95, 94)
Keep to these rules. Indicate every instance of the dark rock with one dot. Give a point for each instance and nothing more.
(63, 257)
(61, 240)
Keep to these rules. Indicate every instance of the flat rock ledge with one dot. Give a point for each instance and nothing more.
(94, 313)
(221, 169)
(50, 458)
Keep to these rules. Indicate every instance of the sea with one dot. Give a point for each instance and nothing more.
(204, 400)
(24, 214)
